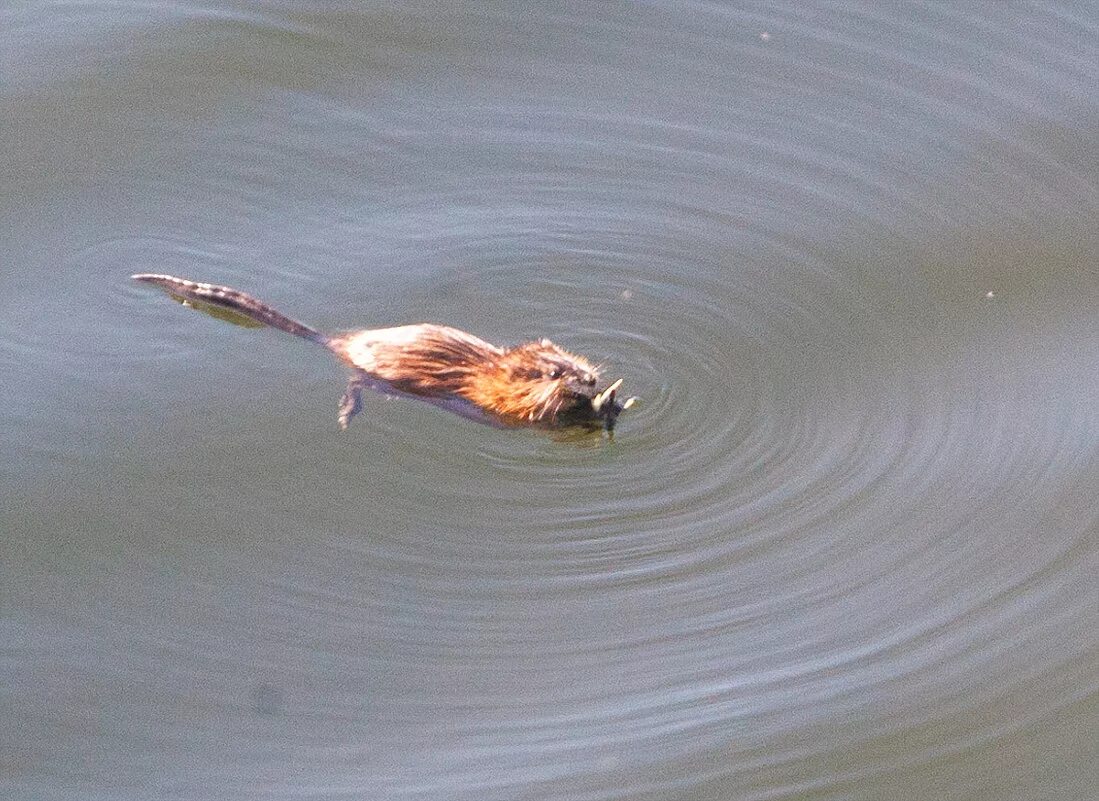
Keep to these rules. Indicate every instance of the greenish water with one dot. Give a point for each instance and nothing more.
(846, 548)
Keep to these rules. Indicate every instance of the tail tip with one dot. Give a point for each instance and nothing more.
(161, 280)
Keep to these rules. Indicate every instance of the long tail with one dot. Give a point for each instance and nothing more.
(233, 299)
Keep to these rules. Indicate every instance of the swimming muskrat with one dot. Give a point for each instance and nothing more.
(530, 384)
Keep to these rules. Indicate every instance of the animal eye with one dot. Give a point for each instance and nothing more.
(555, 373)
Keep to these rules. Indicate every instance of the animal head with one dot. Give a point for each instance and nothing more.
(540, 380)
(543, 361)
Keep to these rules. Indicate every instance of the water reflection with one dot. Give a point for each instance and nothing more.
(845, 548)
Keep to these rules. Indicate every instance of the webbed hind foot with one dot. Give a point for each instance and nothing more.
(351, 402)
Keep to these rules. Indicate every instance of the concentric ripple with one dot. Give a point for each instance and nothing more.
(845, 547)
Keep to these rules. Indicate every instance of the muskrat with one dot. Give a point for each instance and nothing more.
(535, 383)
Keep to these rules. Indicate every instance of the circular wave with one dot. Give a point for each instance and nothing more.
(846, 545)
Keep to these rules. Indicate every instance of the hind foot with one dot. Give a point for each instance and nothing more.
(351, 402)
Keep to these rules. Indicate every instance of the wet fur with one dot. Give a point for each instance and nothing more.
(536, 382)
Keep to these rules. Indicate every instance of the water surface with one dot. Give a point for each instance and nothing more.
(846, 548)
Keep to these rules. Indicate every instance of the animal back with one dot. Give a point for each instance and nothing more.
(425, 359)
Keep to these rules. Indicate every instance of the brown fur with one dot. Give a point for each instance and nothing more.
(533, 383)
(536, 382)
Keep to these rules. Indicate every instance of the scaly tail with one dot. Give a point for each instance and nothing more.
(234, 300)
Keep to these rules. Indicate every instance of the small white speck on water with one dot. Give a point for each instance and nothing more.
(627, 294)
(989, 295)
(764, 36)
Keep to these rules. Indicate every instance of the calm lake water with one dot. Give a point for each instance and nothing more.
(847, 547)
